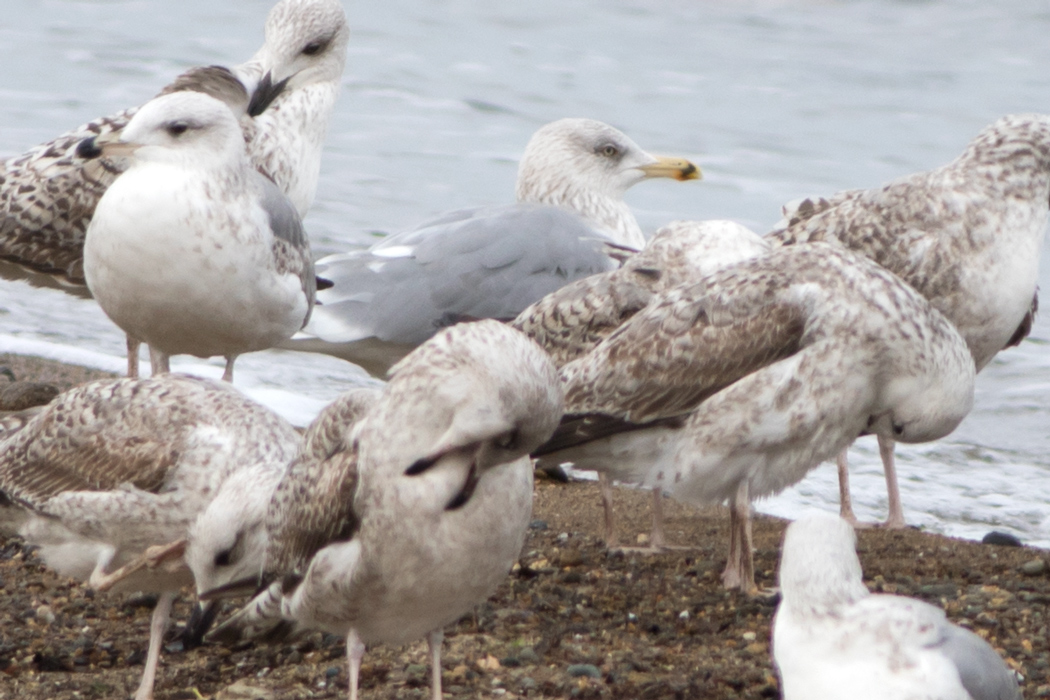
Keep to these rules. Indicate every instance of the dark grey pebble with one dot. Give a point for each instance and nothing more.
(538, 525)
(581, 670)
(1003, 539)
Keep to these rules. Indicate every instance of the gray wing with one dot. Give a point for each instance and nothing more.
(291, 248)
(489, 262)
(983, 672)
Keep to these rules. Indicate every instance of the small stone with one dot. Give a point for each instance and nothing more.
(331, 672)
(540, 525)
(684, 615)
(242, 690)
(584, 671)
(1034, 567)
(642, 540)
(527, 683)
(1003, 539)
(749, 636)
(45, 615)
(940, 590)
(528, 655)
(416, 669)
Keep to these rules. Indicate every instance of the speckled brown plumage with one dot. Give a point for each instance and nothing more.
(569, 322)
(967, 235)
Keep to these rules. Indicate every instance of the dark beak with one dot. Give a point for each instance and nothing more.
(200, 622)
(265, 93)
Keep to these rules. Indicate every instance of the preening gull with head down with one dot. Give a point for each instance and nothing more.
(422, 508)
(191, 250)
(733, 388)
(491, 262)
(112, 477)
(967, 236)
(571, 321)
(833, 640)
(48, 194)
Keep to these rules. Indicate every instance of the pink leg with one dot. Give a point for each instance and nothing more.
(355, 651)
(434, 640)
(157, 627)
(845, 502)
(895, 518)
(611, 539)
(158, 362)
(740, 567)
(657, 540)
(227, 375)
(133, 357)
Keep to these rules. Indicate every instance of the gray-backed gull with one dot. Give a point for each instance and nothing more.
(491, 262)
(191, 250)
(735, 387)
(421, 511)
(115, 473)
(967, 235)
(833, 640)
(571, 321)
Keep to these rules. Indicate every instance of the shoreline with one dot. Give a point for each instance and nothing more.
(571, 621)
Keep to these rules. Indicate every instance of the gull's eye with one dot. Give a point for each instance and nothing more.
(609, 150)
(177, 129)
(223, 558)
(314, 47)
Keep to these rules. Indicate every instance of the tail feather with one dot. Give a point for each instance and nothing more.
(259, 620)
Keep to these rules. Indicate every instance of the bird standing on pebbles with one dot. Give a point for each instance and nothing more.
(191, 250)
(967, 236)
(418, 514)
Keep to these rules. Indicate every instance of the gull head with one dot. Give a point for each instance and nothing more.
(228, 540)
(819, 569)
(577, 156)
(587, 166)
(931, 402)
(181, 127)
(305, 45)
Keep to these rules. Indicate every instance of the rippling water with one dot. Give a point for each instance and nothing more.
(775, 100)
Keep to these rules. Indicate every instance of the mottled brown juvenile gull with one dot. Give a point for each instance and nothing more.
(48, 194)
(191, 250)
(117, 472)
(833, 640)
(571, 321)
(967, 236)
(735, 387)
(422, 509)
(491, 262)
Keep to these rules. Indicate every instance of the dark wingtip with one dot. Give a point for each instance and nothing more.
(322, 283)
(88, 149)
(420, 466)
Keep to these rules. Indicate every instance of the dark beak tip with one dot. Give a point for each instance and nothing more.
(88, 149)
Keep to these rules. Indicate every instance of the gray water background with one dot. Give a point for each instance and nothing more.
(775, 100)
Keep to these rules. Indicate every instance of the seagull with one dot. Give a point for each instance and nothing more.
(571, 321)
(967, 236)
(110, 477)
(420, 511)
(48, 194)
(734, 387)
(191, 250)
(833, 640)
(570, 221)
